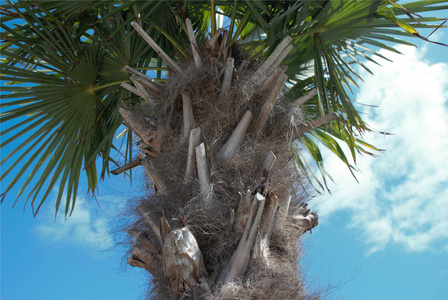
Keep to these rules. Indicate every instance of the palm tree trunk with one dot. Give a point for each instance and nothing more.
(222, 221)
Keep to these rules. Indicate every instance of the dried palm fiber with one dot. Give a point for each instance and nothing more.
(228, 227)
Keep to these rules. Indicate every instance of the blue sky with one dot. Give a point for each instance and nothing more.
(384, 238)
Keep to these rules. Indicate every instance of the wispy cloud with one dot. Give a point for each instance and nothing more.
(402, 197)
(88, 226)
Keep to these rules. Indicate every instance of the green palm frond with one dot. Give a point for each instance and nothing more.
(72, 121)
(337, 36)
(69, 121)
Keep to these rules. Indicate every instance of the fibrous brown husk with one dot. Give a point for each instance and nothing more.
(273, 277)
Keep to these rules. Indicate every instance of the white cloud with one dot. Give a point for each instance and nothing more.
(88, 226)
(402, 197)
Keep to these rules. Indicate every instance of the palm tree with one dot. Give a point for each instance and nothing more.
(223, 120)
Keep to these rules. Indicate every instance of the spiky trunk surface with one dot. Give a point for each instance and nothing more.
(224, 218)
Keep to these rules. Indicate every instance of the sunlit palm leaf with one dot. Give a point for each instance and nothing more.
(343, 34)
(70, 124)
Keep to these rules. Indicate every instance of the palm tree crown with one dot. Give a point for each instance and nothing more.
(63, 65)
